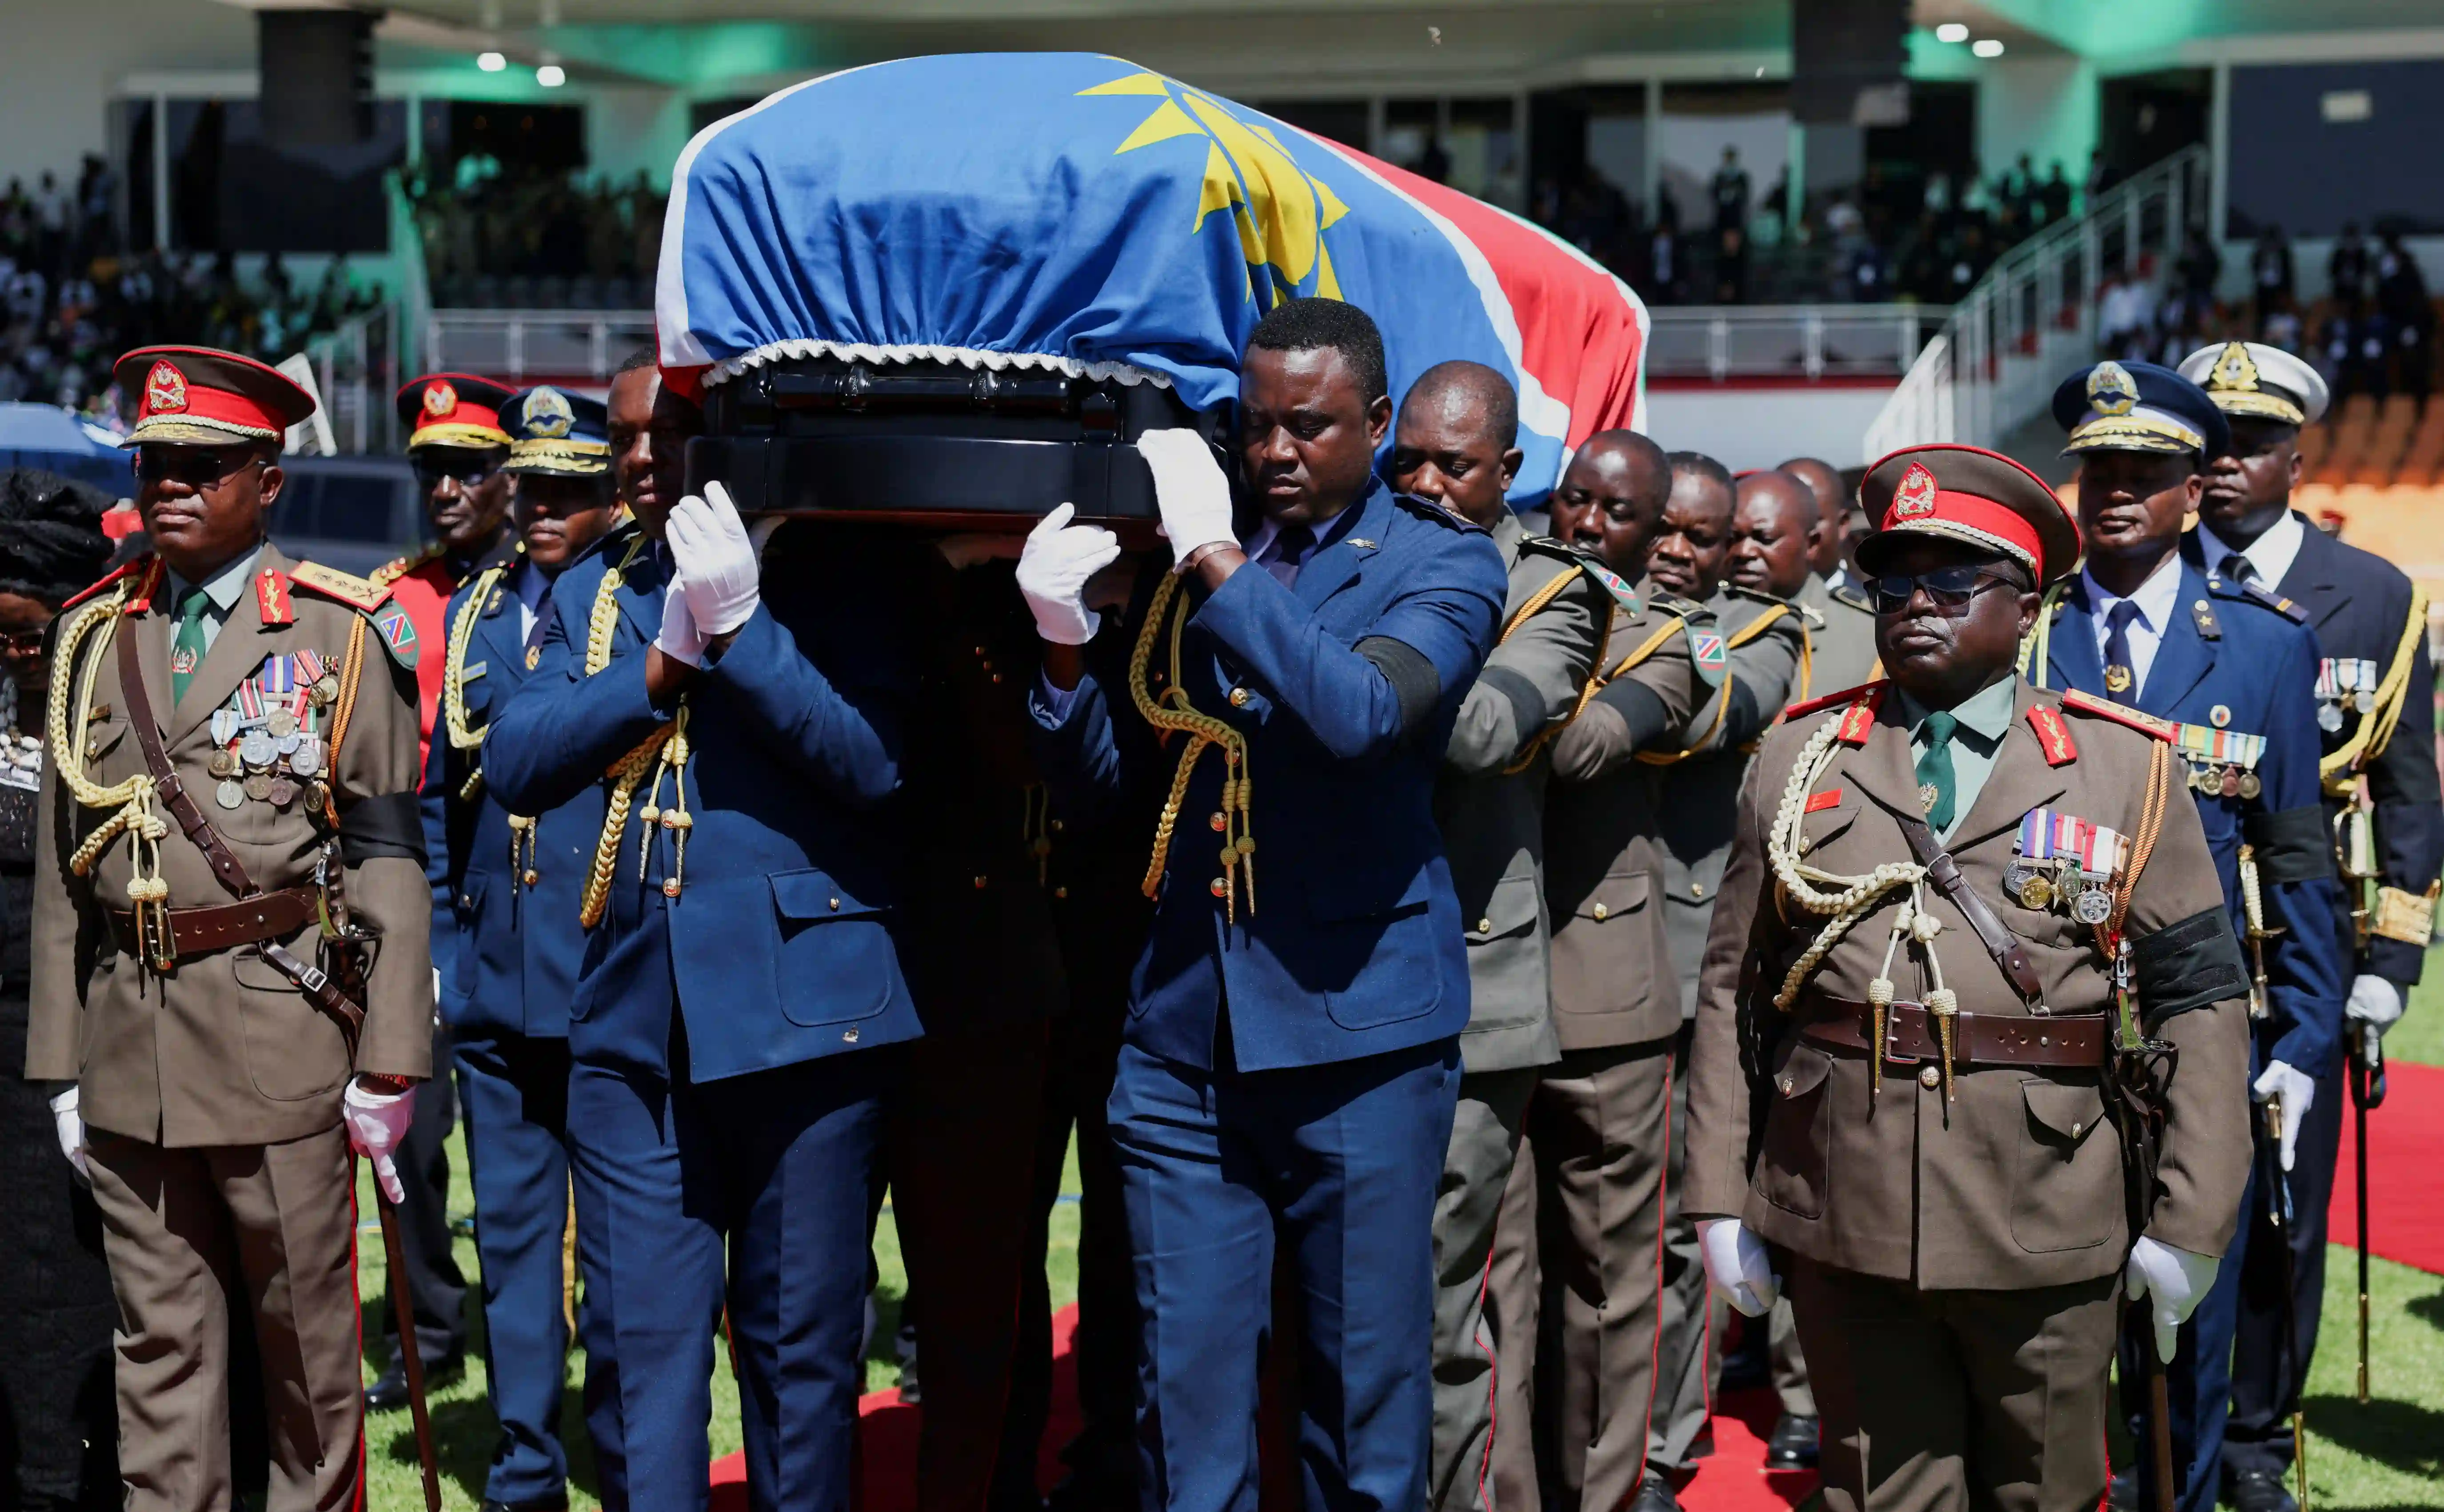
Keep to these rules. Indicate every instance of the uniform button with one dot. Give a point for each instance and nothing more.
(465, 901)
(1060, 891)
(1218, 886)
(1930, 1077)
(1600, 913)
(1697, 890)
(1238, 698)
(980, 651)
(1786, 1084)
(2074, 1129)
(981, 881)
(849, 1035)
(1217, 822)
(1056, 826)
(1485, 925)
(836, 905)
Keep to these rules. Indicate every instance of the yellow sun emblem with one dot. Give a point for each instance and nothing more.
(1282, 212)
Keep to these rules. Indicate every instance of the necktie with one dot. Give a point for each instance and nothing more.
(1937, 787)
(542, 623)
(187, 651)
(2237, 568)
(2119, 677)
(1288, 550)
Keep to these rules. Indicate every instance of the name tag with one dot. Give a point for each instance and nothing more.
(472, 670)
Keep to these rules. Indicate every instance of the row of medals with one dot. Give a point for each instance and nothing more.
(2040, 884)
(2330, 710)
(2232, 782)
(274, 758)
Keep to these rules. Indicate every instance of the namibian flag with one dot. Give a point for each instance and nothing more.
(1078, 214)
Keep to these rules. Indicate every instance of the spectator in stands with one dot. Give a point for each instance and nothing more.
(1729, 192)
(2270, 273)
(2053, 195)
(2409, 317)
(2346, 266)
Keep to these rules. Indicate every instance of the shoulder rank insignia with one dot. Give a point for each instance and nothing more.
(271, 597)
(2053, 737)
(1851, 594)
(397, 567)
(397, 633)
(2119, 713)
(356, 591)
(1823, 701)
(2264, 599)
(107, 579)
(2204, 615)
(1862, 717)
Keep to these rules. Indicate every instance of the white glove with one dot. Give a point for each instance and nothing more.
(377, 1122)
(70, 1125)
(2175, 1280)
(715, 559)
(2375, 1002)
(678, 638)
(1738, 1265)
(1189, 490)
(2295, 1090)
(1052, 573)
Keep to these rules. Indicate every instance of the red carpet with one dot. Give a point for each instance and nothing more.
(2405, 1156)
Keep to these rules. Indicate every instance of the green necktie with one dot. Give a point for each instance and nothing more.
(187, 651)
(1936, 786)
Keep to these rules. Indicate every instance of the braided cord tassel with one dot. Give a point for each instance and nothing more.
(454, 679)
(148, 892)
(1858, 896)
(1173, 712)
(625, 774)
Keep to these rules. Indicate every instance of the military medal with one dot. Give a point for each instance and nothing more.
(228, 794)
(258, 786)
(2329, 718)
(281, 723)
(279, 675)
(250, 703)
(223, 763)
(282, 792)
(258, 748)
(2094, 906)
(2364, 699)
(2231, 786)
(2036, 894)
(2251, 785)
(289, 743)
(307, 759)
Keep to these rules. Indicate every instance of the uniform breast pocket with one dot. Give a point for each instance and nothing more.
(835, 960)
(1371, 950)
(1506, 956)
(1795, 1166)
(1610, 955)
(2066, 1170)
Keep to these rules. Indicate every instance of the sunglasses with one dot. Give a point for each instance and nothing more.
(470, 473)
(198, 466)
(1948, 588)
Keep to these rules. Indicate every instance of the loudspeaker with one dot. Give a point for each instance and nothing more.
(318, 77)
(1847, 58)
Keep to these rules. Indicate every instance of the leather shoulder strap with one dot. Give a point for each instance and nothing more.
(2000, 942)
(165, 778)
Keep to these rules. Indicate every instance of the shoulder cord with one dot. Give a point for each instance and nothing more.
(353, 665)
(147, 889)
(2037, 644)
(454, 712)
(2110, 940)
(663, 751)
(2341, 769)
(1538, 599)
(1171, 711)
(1595, 684)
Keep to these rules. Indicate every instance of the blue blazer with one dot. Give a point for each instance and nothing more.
(508, 953)
(1354, 946)
(778, 948)
(2262, 666)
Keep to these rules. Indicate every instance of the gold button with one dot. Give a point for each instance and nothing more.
(849, 1035)
(1217, 822)
(1930, 1077)
(466, 902)
(1696, 890)
(980, 884)
(1786, 1084)
(836, 905)
(1485, 925)
(2074, 1129)
(1056, 826)
(1600, 913)
(1218, 886)
(1238, 698)
(1060, 891)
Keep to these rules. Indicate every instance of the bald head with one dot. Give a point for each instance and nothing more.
(1454, 442)
(1776, 527)
(1610, 499)
(1832, 500)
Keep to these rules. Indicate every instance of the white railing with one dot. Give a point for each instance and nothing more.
(516, 345)
(1786, 341)
(357, 369)
(2033, 318)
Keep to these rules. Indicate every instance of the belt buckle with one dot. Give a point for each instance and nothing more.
(1892, 1053)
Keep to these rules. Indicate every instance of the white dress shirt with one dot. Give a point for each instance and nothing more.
(2156, 598)
(2269, 556)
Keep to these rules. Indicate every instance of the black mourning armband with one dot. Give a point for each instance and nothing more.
(1519, 691)
(1742, 720)
(1641, 708)
(388, 825)
(2292, 845)
(2188, 964)
(1414, 680)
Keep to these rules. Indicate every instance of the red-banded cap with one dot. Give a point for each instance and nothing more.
(196, 395)
(1976, 497)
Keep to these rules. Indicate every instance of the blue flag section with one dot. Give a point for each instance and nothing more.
(1076, 213)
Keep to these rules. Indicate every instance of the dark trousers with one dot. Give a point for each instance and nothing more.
(961, 1162)
(1337, 1166)
(515, 1093)
(1077, 1083)
(754, 1190)
(435, 1288)
(2266, 1373)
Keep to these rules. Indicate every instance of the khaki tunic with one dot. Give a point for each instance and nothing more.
(2018, 1183)
(1845, 641)
(226, 1050)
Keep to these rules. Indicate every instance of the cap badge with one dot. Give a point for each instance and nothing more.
(2111, 389)
(1915, 498)
(165, 390)
(439, 399)
(548, 416)
(2234, 370)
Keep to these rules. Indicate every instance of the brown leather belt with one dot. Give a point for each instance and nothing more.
(194, 931)
(1977, 1039)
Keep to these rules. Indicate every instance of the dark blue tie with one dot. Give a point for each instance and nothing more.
(2120, 675)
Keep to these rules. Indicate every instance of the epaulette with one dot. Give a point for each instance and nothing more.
(1623, 592)
(2119, 713)
(1440, 514)
(1823, 701)
(2224, 588)
(1808, 612)
(1853, 596)
(1678, 607)
(135, 565)
(1547, 546)
(1759, 594)
(359, 593)
(397, 567)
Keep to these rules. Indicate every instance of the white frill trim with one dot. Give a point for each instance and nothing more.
(730, 367)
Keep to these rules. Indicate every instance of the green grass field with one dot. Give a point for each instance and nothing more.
(2386, 1456)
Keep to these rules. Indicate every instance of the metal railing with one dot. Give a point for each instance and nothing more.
(2033, 316)
(516, 345)
(1721, 341)
(357, 368)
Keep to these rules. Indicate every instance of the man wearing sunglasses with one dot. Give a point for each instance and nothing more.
(1897, 1111)
(2233, 664)
(232, 786)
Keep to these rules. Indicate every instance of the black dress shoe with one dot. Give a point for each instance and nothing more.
(1655, 1494)
(2122, 1492)
(388, 1394)
(2262, 1491)
(1792, 1445)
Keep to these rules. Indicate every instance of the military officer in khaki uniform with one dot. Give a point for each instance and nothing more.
(1844, 643)
(1948, 1210)
(1573, 1278)
(230, 947)
(1452, 443)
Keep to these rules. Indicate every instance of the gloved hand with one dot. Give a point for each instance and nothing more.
(1738, 1265)
(715, 559)
(1189, 490)
(2174, 1279)
(377, 1122)
(2295, 1090)
(1052, 573)
(70, 1125)
(2375, 1002)
(678, 638)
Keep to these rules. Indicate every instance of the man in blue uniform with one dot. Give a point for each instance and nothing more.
(506, 946)
(730, 1031)
(1291, 1060)
(2379, 721)
(2232, 668)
